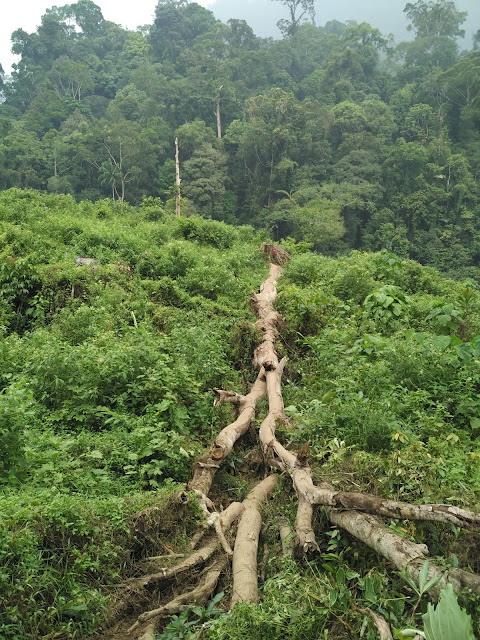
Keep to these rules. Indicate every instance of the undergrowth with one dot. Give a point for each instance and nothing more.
(106, 370)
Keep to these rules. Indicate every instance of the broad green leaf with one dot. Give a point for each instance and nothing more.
(475, 423)
(407, 633)
(441, 342)
(447, 621)
(333, 597)
(423, 575)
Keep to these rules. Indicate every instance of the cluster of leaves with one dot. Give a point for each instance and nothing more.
(192, 623)
(332, 135)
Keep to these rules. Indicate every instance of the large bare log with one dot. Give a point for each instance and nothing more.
(266, 359)
(245, 579)
(367, 503)
(278, 457)
(269, 319)
(355, 512)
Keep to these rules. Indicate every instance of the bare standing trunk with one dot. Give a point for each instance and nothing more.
(177, 181)
(218, 114)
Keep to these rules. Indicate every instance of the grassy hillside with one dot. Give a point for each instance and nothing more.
(106, 370)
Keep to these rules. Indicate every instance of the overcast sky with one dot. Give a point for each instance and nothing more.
(261, 15)
(27, 14)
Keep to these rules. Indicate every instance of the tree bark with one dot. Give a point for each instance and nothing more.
(206, 467)
(402, 553)
(218, 113)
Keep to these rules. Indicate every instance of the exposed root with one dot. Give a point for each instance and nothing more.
(167, 574)
(275, 254)
(305, 543)
(221, 536)
(199, 595)
(381, 624)
(171, 556)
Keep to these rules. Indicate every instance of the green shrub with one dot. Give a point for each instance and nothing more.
(14, 414)
(387, 305)
(353, 283)
(211, 232)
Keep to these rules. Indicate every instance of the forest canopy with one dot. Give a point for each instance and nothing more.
(387, 133)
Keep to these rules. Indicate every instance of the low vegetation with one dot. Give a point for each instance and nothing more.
(106, 373)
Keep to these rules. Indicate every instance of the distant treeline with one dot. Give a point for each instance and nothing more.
(332, 135)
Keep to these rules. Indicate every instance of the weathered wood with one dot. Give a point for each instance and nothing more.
(206, 467)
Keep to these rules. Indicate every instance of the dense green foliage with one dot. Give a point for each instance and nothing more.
(333, 135)
(106, 370)
(105, 375)
(117, 319)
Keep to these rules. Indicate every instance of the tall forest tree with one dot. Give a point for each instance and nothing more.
(299, 10)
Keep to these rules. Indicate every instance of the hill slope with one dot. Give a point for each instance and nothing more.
(106, 372)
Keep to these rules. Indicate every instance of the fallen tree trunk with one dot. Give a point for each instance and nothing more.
(266, 359)
(402, 553)
(207, 466)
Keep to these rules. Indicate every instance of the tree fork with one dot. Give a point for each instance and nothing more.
(266, 359)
